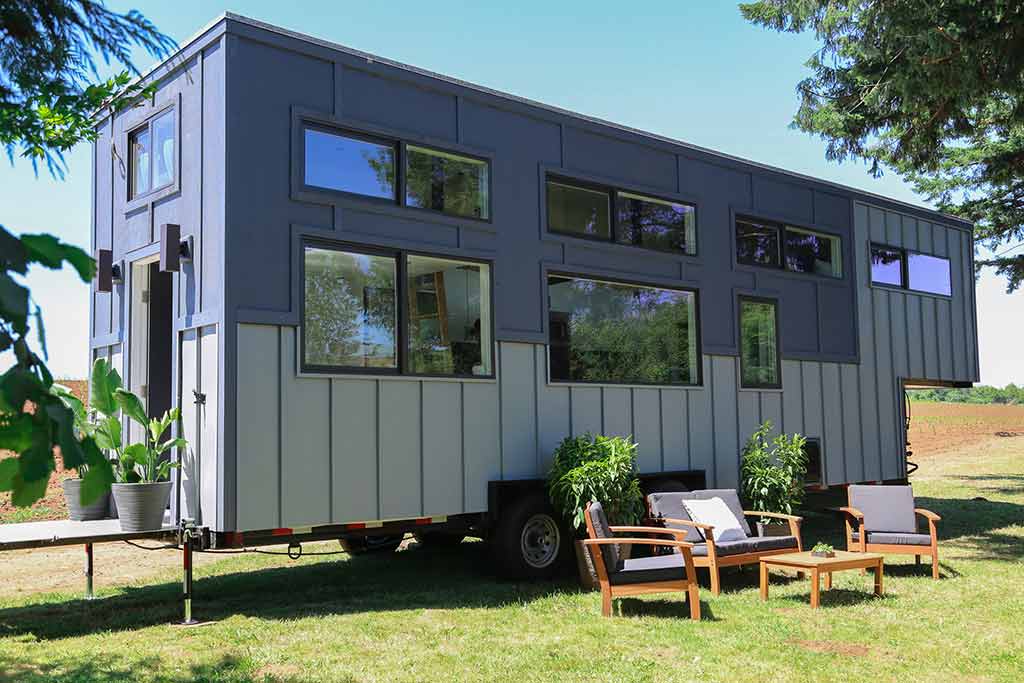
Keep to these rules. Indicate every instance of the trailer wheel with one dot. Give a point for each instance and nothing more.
(438, 539)
(362, 545)
(529, 540)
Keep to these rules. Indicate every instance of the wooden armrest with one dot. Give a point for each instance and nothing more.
(647, 530)
(687, 522)
(636, 541)
(773, 515)
(853, 512)
(927, 514)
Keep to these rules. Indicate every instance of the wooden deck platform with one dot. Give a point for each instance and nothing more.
(66, 532)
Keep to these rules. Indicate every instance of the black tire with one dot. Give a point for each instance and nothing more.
(438, 539)
(363, 545)
(530, 541)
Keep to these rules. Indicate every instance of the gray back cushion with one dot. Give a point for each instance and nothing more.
(612, 560)
(671, 505)
(885, 508)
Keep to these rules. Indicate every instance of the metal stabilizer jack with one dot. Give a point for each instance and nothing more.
(89, 595)
(189, 535)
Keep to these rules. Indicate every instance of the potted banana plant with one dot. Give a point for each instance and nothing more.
(76, 488)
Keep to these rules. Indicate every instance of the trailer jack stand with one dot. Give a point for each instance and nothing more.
(188, 538)
(88, 572)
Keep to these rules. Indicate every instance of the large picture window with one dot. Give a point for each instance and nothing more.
(354, 318)
(611, 332)
(798, 250)
(759, 344)
(612, 215)
(153, 156)
(895, 267)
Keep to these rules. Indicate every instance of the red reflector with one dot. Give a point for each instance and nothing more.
(357, 525)
(281, 532)
(422, 520)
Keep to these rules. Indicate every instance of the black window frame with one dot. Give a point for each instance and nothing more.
(904, 285)
(400, 256)
(778, 339)
(780, 227)
(612, 194)
(147, 126)
(399, 145)
(699, 382)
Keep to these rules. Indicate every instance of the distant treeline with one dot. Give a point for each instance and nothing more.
(1011, 393)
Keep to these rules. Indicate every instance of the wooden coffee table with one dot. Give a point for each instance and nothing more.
(816, 566)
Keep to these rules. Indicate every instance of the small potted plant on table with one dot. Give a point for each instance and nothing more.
(823, 550)
(772, 476)
(595, 468)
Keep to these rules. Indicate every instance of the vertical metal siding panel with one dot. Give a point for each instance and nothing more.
(354, 417)
(749, 406)
(518, 411)
(725, 421)
(960, 312)
(900, 338)
(910, 232)
(814, 423)
(701, 430)
(893, 228)
(877, 226)
(400, 460)
(442, 448)
(771, 409)
(586, 410)
(967, 279)
(617, 411)
(886, 387)
(675, 429)
(851, 407)
(928, 338)
(835, 448)
(305, 442)
(258, 438)
(188, 367)
(553, 413)
(792, 398)
(924, 237)
(915, 340)
(480, 441)
(647, 429)
(939, 236)
(867, 380)
(943, 325)
(209, 383)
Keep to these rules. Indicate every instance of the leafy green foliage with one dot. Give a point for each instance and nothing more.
(823, 548)
(933, 90)
(595, 468)
(772, 471)
(1011, 394)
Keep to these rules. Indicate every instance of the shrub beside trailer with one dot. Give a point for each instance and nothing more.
(381, 297)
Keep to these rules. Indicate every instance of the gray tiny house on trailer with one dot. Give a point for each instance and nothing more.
(386, 295)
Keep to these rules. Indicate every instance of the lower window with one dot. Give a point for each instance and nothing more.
(357, 316)
(622, 333)
(759, 344)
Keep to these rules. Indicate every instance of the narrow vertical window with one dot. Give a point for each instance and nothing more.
(140, 162)
(446, 182)
(163, 150)
(759, 344)
(886, 266)
(152, 157)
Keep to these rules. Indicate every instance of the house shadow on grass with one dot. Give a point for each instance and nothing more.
(112, 669)
(413, 579)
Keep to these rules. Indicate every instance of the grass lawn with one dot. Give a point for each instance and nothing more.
(423, 615)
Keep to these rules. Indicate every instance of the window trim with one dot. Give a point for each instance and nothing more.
(135, 200)
(400, 256)
(577, 275)
(612, 193)
(781, 227)
(778, 339)
(905, 271)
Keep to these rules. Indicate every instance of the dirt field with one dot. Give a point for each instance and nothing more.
(948, 427)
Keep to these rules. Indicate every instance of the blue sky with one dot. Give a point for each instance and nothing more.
(692, 71)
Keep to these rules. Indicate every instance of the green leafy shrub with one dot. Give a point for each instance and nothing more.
(595, 468)
(772, 471)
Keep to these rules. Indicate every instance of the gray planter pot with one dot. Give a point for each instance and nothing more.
(81, 513)
(772, 529)
(140, 507)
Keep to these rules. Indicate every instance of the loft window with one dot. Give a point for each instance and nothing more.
(895, 267)
(354, 308)
(445, 182)
(798, 250)
(152, 155)
(887, 266)
(759, 344)
(610, 332)
(612, 215)
(349, 163)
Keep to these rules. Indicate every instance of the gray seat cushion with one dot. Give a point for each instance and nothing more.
(612, 558)
(650, 570)
(895, 538)
(670, 505)
(753, 544)
(885, 508)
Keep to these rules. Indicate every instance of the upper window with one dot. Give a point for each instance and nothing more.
(897, 267)
(349, 164)
(152, 160)
(759, 344)
(620, 333)
(638, 220)
(765, 243)
(446, 182)
(353, 314)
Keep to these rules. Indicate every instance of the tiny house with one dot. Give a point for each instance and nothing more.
(382, 296)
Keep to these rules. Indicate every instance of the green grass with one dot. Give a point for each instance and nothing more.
(424, 615)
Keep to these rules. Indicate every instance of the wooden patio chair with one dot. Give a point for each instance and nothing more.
(620, 577)
(668, 509)
(883, 519)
